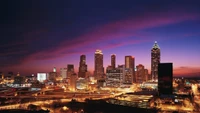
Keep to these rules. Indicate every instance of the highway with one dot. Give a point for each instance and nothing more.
(80, 98)
(39, 103)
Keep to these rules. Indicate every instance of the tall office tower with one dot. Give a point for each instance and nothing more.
(70, 70)
(113, 60)
(54, 69)
(82, 67)
(140, 74)
(98, 64)
(155, 60)
(165, 78)
(63, 73)
(130, 63)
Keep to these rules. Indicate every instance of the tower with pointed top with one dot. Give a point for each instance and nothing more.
(155, 60)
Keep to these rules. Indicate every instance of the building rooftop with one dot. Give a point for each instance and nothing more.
(155, 45)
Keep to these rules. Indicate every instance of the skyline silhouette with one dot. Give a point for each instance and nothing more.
(38, 35)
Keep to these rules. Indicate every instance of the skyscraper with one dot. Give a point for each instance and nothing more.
(165, 78)
(140, 74)
(130, 63)
(98, 64)
(113, 60)
(70, 70)
(155, 60)
(82, 67)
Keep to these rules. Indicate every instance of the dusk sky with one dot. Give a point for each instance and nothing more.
(37, 35)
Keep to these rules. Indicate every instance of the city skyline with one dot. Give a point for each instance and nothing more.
(38, 36)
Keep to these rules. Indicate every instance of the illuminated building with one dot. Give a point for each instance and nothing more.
(70, 67)
(18, 80)
(73, 79)
(128, 77)
(41, 77)
(29, 79)
(54, 69)
(130, 63)
(81, 84)
(92, 80)
(109, 68)
(70, 70)
(82, 67)
(147, 76)
(98, 64)
(113, 60)
(138, 101)
(114, 77)
(63, 72)
(101, 82)
(52, 76)
(140, 74)
(165, 78)
(155, 60)
(149, 85)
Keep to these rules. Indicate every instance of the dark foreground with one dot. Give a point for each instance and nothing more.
(94, 106)
(90, 106)
(23, 111)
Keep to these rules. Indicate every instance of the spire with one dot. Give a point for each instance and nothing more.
(156, 45)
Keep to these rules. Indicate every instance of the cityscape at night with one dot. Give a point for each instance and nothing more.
(87, 56)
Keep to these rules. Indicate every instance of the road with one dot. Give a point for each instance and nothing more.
(65, 98)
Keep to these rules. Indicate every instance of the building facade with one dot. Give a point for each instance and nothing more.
(155, 60)
(113, 61)
(140, 74)
(18, 80)
(82, 67)
(41, 77)
(128, 77)
(98, 64)
(165, 78)
(52, 76)
(130, 63)
(63, 73)
(73, 80)
(114, 77)
(70, 70)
